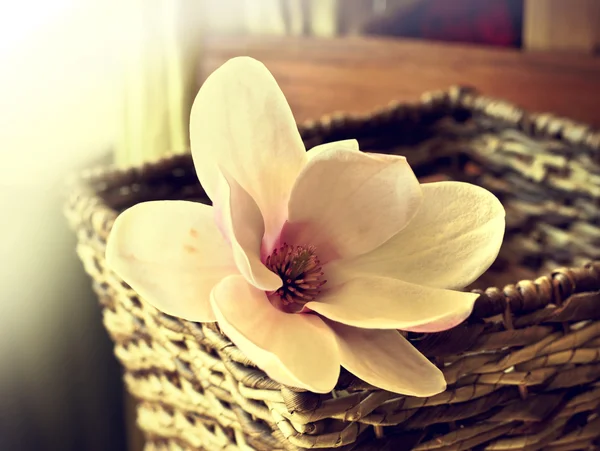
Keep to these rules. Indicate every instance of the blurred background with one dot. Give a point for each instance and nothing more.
(86, 83)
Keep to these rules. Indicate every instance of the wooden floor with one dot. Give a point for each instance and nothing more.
(320, 76)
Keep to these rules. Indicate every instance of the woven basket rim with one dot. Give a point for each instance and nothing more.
(493, 300)
(456, 97)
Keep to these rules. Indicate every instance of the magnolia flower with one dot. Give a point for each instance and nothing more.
(308, 260)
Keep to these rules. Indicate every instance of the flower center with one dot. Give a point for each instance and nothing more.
(300, 271)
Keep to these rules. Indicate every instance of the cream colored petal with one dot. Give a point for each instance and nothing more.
(300, 348)
(241, 122)
(172, 254)
(244, 227)
(454, 238)
(347, 203)
(385, 359)
(385, 303)
(349, 144)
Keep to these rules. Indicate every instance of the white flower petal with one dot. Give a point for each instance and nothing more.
(299, 348)
(172, 254)
(241, 122)
(346, 203)
(385, 359)
(244, 227)
(455, 236)
(385, 303)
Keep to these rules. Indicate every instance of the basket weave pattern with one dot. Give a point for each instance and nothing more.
(523, 371)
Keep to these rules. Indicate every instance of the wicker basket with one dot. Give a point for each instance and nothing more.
(523, 371)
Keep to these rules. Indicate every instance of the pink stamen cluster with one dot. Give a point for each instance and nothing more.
(300, 272)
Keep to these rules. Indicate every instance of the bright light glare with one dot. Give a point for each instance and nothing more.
(58, 84)
(20, 19)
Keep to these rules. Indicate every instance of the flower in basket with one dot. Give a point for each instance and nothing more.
(308, 261)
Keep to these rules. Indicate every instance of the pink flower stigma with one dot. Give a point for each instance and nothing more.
(301, 274)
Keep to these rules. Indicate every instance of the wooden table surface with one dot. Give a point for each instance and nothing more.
(358, 74)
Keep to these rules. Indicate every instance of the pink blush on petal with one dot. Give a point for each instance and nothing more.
(440, 325)
(220, 223)
(294, 234)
